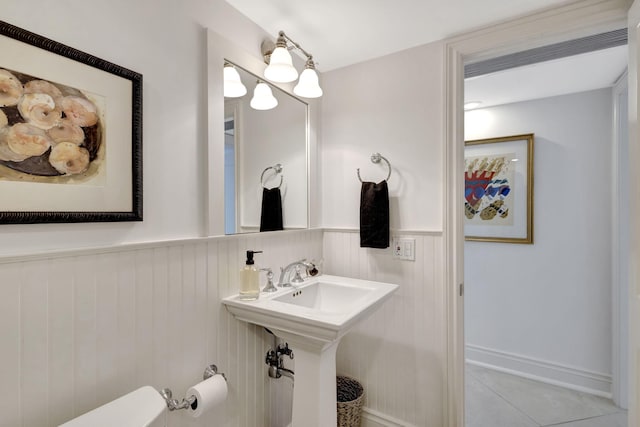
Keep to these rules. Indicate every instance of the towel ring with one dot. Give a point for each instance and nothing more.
(375, 158)
(277, 168)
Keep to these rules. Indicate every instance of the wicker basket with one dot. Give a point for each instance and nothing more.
(350, 400)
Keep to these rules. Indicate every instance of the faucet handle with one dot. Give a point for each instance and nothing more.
(297, 278)
(269, 286)
(312, 269)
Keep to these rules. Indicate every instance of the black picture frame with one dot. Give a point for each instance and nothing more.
(127, 77)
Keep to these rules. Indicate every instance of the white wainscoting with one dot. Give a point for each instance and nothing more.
(83, 327)
(371, 418)
(399, 353)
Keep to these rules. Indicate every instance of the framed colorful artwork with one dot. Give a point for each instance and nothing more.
(70, 134)
(498, 189)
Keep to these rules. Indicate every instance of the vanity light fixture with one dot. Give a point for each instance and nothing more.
(280, 67)
(308, 86)
(263, 98)
(233, 87)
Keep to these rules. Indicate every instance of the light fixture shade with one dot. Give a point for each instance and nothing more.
(263, 98)
(308, 86)
(280, 68)
(233, 87)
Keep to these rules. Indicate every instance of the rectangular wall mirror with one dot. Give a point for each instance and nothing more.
(265, 152)
(248, 149)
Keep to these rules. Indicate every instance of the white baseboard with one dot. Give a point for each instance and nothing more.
(371, 418)
(540, 370)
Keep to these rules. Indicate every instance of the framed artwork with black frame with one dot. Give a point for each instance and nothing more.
(70, 134)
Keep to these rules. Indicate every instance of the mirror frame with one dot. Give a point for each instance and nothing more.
(220, 49)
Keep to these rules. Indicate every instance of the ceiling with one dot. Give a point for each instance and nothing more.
(343, 32)
(578, 73)
(340, 33)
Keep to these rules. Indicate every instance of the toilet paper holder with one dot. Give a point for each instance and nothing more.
(174, 404)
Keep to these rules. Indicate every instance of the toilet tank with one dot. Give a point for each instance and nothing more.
(143, 407)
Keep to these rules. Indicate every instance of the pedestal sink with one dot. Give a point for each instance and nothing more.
(312, 317)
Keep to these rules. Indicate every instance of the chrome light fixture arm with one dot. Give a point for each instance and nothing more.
(267, 47)
(282, 35)
(280, 67)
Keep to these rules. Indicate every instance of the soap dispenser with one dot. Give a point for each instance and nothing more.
(249, 279)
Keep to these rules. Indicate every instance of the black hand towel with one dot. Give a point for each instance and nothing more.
(374, 215)
(271, 216)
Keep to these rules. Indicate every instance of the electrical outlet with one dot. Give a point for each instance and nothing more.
(404, 248)
(396, 247)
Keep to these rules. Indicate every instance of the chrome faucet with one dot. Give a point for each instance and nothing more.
(285, 273)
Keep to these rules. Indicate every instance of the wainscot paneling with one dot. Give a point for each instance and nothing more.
(83, 327)
(399, 353)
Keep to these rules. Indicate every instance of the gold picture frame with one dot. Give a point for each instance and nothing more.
(498, 194)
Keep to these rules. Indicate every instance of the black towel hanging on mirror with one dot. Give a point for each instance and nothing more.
(271, 215)
(374, 215)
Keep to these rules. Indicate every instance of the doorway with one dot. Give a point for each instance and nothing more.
(538, 317)
(511, 37)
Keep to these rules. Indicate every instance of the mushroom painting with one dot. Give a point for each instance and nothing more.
(49, 132)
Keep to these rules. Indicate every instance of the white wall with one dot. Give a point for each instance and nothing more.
(391, 105)
(82, 327)
(166, 43)
(550, 302)
(399, 353)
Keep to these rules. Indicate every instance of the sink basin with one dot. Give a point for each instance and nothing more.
(312, 317)
(323, 308)
(326, 297)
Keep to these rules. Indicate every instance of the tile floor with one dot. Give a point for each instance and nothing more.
(496, 399)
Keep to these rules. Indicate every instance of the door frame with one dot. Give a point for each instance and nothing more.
(549, 26)
(620, 247)
(634, 204)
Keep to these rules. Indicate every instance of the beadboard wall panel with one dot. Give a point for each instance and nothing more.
(85, 327)
(399, 353)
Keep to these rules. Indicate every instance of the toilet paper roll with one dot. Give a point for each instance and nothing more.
(208, 393)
